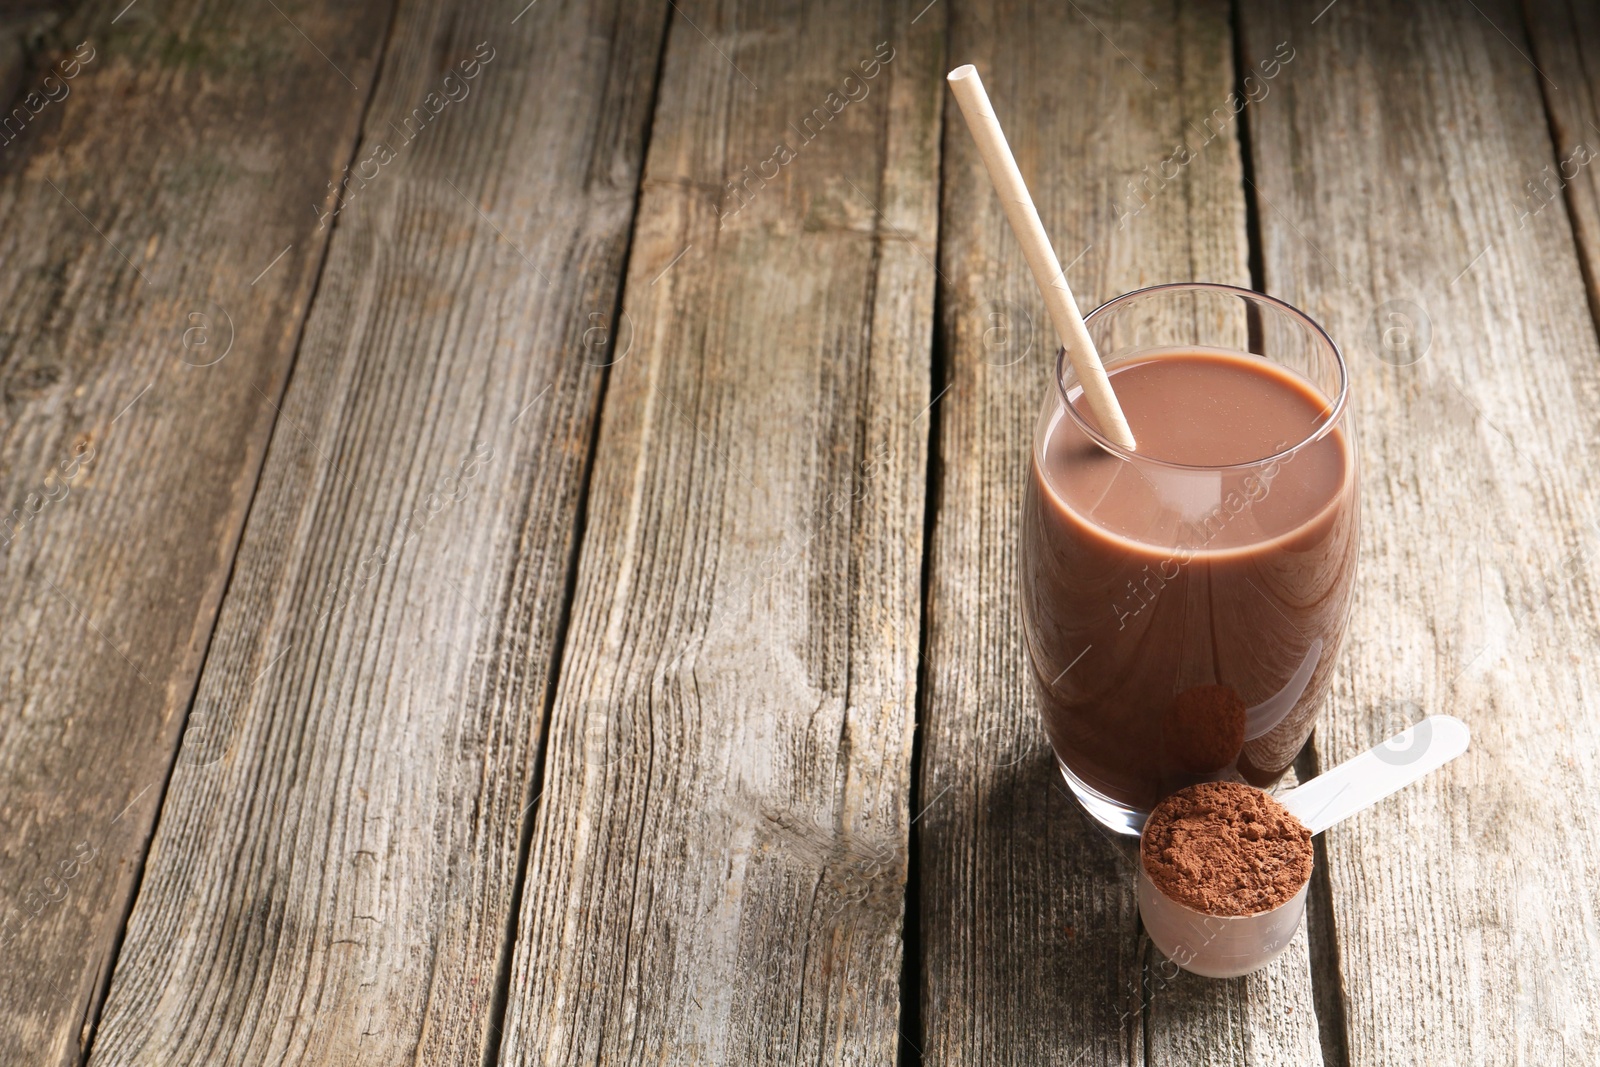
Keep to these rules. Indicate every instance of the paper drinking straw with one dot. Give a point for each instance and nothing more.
(1047, 272)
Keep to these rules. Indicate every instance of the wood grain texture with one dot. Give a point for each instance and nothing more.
(1263, 1018)
(1564, 40)
(1393, 170)
(334, 869)
(141, 200)
(719, 861)
(1031, 946)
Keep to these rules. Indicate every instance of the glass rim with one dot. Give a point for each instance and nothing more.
(1324, 426)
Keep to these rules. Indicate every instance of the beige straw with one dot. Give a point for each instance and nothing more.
(1047, 272)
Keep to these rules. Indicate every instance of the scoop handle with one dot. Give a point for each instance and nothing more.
(1357, 784)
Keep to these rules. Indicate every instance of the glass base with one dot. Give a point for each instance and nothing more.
(1113, 815)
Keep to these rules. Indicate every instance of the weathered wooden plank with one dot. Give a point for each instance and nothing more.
(154, 193)
(1393, 170)
(719, 858)
(1096, 99)
(1564, 39)
(336, 859)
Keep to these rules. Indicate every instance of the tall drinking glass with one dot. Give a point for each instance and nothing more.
(1184, 602)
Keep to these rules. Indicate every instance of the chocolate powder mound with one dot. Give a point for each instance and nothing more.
(1225, 848)
(1203, 729)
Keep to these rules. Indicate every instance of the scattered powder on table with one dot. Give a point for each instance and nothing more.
(1224, 848)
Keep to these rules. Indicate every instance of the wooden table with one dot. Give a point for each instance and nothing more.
(546, 593)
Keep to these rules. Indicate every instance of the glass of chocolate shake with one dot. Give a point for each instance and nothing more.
(1184, 602)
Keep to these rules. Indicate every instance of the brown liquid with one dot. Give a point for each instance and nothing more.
(1183, 625)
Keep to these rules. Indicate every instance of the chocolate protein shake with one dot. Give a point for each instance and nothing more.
(1184, 607)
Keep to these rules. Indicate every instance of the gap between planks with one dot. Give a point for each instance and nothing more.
(558, 657)
(103, 986)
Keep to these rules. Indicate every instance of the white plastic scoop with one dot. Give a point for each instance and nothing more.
(1226, 946)
(1357, 784)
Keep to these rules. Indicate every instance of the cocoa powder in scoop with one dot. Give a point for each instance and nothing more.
(1225, 848)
